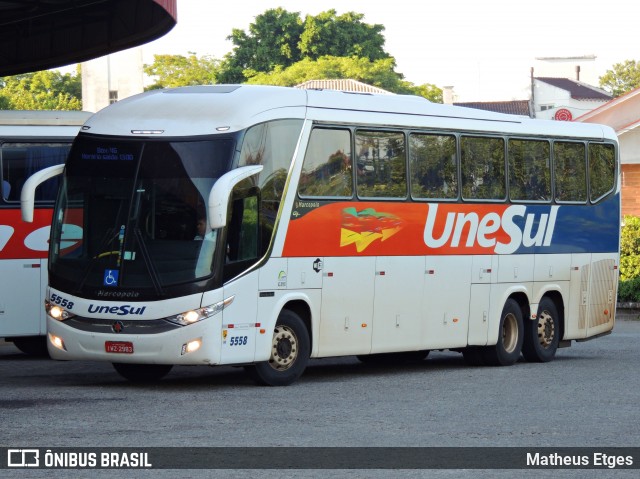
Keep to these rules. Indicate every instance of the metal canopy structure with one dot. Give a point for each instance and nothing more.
(42, 34)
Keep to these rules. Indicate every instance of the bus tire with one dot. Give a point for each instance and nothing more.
(142, 373)
(35, 346)
(511, 334)
(542, 335)
(290, 351)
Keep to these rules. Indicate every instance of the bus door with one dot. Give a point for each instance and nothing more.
(347, 305)
(241, 252)
(22, 286)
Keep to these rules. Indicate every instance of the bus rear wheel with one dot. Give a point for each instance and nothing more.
(542, 335)
(510, 336)
(142, 373)
(290, 351)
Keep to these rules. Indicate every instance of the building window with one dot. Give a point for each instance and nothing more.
(113, 96)
(546, 107)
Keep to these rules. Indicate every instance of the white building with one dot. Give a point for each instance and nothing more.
(110, 78)
(564, 99)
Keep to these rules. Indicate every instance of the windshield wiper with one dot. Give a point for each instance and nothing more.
(155, 278)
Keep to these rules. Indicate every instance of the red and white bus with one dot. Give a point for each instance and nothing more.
(29, 141)
(380, 226)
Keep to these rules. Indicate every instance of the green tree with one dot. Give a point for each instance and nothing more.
(177, 70)
(622, 78)
(272, 41)
(341, 36)
(42, 90)
(379, 73)
(279, 39)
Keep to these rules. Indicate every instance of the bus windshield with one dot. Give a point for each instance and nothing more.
(132, 214)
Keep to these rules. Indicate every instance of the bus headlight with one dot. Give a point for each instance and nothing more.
(57, 342)
(191, 346)
(195, 315)
(57, 312)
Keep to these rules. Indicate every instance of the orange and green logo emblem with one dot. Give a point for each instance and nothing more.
(362, 228)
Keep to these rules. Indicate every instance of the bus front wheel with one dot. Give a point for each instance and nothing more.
(510, 336)
(290, 351)
(542, 335)
(142, 373)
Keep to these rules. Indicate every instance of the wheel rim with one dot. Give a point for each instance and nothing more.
(284, 350)
(510, 333)
(546, 329)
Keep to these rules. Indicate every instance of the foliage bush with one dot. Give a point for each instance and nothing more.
(630, 248)
(629, 291)
(629, 288)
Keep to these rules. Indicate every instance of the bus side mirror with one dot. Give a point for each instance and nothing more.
(28, 193)
(219, 195)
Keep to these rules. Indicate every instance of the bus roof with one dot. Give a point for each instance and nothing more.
(202, 110)
(43, 117)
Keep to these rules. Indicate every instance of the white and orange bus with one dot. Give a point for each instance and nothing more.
(29, 141)
(380, 226)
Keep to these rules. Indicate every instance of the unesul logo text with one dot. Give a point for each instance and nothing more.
(123, 310)
(472, 230)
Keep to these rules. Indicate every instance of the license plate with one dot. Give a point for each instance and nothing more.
(119, 347)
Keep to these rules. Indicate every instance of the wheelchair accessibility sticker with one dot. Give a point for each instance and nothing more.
(110, 277)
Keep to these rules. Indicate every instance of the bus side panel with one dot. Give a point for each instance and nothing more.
(552, 268)
(397, 311)
(239, 320)
(483, 275)
(446, 303)
(21, 297)
(602, 293)
(577, 308)
(347, 306)
(515, 268)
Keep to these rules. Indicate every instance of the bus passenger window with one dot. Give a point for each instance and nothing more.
(381, 165)
(326, 171)
(570, 171)
(6, 189)
(602, 170)
(529, 170)
(21, 160)
(433, 163)
(483, 169)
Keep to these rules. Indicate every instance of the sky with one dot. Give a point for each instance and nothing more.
(485, 49)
